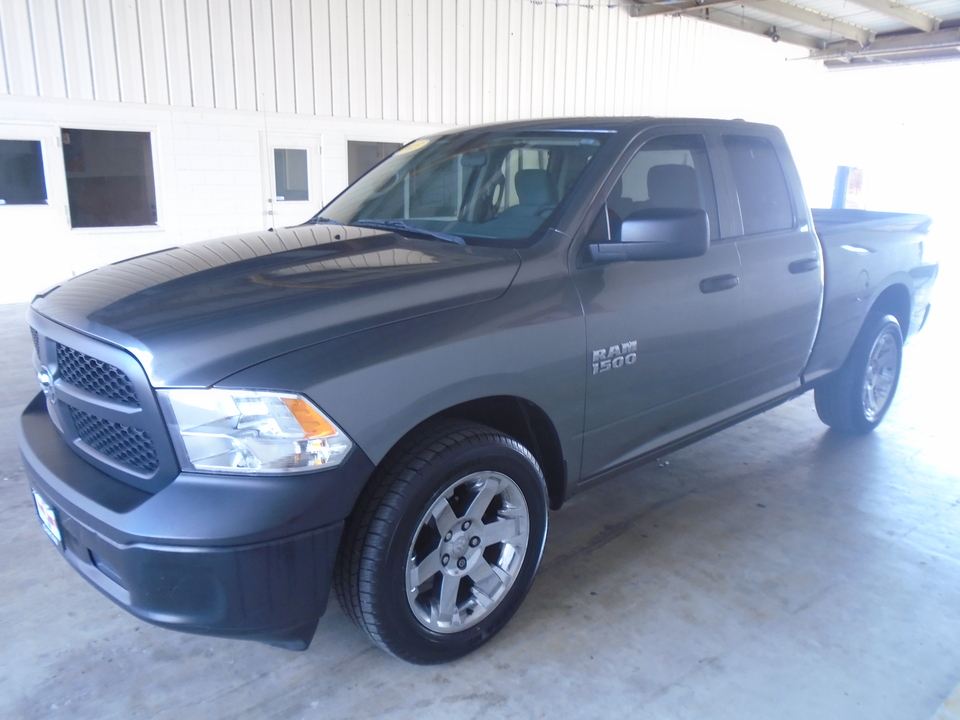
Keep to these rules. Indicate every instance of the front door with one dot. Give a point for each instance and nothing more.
(291, 179)
(663, 337)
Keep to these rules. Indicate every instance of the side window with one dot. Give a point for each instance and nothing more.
(21, 173)
(667, 172)
(109, 178)
(761, 187)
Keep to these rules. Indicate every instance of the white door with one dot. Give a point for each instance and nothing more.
(291, 179)
(34, 219)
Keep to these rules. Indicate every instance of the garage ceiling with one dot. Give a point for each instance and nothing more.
(843, 33)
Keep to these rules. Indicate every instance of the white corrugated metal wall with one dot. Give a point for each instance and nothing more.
(210, 79)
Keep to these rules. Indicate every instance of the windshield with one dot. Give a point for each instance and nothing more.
(490, 188)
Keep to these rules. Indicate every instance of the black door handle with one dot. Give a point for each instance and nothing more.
(802, 266)
(718, 283)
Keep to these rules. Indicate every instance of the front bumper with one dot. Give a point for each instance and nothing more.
(216, 555)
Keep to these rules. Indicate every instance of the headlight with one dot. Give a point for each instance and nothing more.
(252, 432)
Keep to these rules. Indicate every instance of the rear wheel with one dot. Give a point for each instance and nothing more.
(444, 545)
(855, 399)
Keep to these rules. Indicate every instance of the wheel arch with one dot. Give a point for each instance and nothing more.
(894, 300)
(529, 425)
(522, 420)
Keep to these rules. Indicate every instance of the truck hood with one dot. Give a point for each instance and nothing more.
(195, 314)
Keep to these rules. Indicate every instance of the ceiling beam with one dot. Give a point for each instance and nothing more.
(890, 45)
(647, 8)
(904, 13)
(824, 23)
(738, 22)
(927, 56)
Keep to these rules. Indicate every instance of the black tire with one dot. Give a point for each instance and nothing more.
(855, 399)
(444, 543)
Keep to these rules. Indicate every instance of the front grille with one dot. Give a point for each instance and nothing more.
(130, 446)
(95, 376)
(36, 341)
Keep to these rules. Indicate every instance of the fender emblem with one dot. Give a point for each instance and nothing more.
(614, 357)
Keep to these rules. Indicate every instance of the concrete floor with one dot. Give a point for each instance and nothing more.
(775, 570)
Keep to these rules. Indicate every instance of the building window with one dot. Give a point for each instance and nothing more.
(21, 173)
(361, 156)
(109, 178)
(291, 170)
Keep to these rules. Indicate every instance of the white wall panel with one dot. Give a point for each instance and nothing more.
(155, 86)
(320, 39)
(448, 62)
(419, 74)
(434, 48)
(244, 64)
(373, 58)
(130, 58)
(283, 49)
(19, 62)
(75, 39)
(302, 53)
(388, 60)
(176, 53)
(261, 18)
(339, 66)
(45, 36)
(356, 59)
(462, 59)
(436, 61)
(222, 53)
(513, 32)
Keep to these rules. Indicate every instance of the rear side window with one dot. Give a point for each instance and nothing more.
(761, 187)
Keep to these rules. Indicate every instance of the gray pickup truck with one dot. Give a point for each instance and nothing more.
(388, 398)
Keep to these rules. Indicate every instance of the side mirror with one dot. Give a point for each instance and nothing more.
(657, 234)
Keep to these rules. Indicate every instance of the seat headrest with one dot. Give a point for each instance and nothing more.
(673, 186)
(535, 187)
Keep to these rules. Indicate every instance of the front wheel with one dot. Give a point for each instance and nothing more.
(855, 399)
(444, 545)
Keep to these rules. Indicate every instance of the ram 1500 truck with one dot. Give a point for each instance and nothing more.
(388, 398)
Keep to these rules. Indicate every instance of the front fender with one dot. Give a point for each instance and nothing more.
(379, 384)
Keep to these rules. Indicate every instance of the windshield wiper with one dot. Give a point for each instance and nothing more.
(320, 220)
(405, 227)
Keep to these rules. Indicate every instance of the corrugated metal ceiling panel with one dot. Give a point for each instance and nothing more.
(846, 31)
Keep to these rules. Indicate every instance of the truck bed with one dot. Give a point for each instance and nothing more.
(829, 221)
(865, 253)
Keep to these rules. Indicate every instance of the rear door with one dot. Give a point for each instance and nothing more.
(663, 336)
(782, 273)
